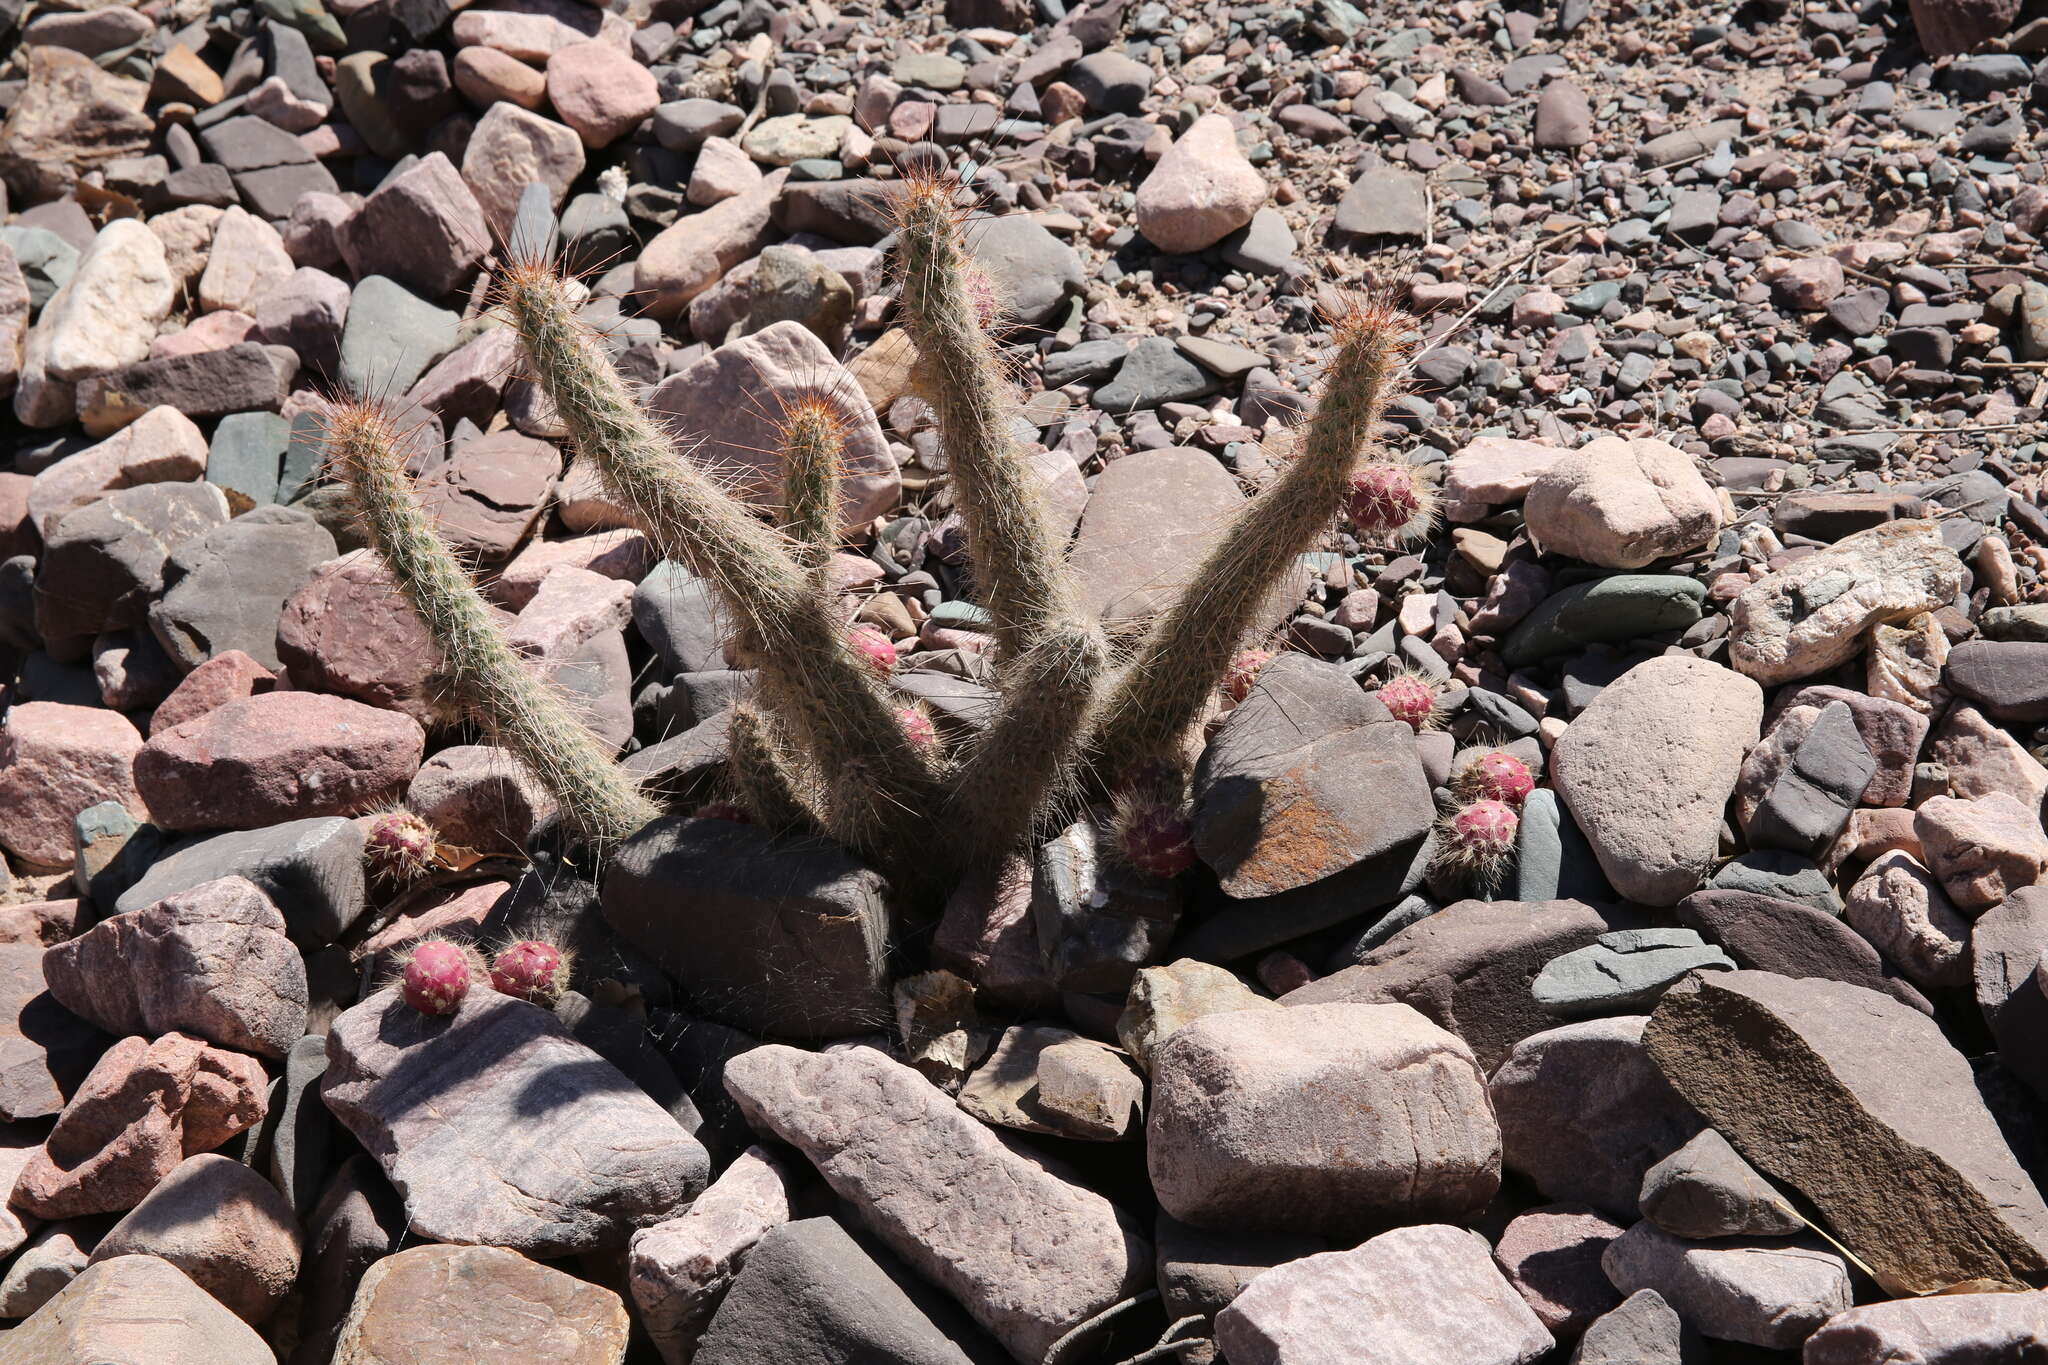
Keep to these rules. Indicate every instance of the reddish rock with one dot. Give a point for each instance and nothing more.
(491, 496)
(600, 91)
(45, 1050)
(456, 913)
(281, 756)
(39, 922)
(487, 76)
(133, 1309)
(429, 1304)
(349, 630)
(1201, 191)
(1951, 26)
(480, 797)
(422, 227)
(512, 146)
(690, 255)
(225, 677)
(222, 1224)
(1982, 850)
(55, 760)
(620, 553)
(145, 1108)
(1552, 1257)
(1809, 285)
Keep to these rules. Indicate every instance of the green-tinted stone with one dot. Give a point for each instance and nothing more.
(1605, 611)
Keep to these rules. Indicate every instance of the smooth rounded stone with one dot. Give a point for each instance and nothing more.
(790, 935)
(731, 393)
(18, 1143)
(809, 1295)
(212, 961)
(600, 91)
(436, 1303)
(1564, 117)
(511, 148)
(481, 797)
(1606, 611)
(697, 250)
(107, 314)
(1706, 1190)
(144, 1108)
(1201, 1271)
(681, 1269)
(45, 1053)
(276, 757)
(246, 261)
(499, 1128)
(720, 172)
(790, 285)
(1164, 1000)
(1622, 503)
(103, 564)
(1623, 972)
(161, 446)
(1899, 906)
(2005, 677)
(1642, 1331)
(1430, 1292)
(223, 1225)
(488, 76)
(1201, 191)
(1862, 1106)
(1553, 861)
(53, 1258)
(1150, 521)
(1032, 270)
(790, 138)
(1982, 757)
(1779, 875)
(1551, 1255)
(1246, 1107)
(1981, 851)
(1647, 768)
(1110, 82)
(136, 1310)
(1772, 1295)
(1813, 613)
(1308, 776)
(1793, 938)
(1469, 967)
(1799, 785)
(1583, 1113)
(685, 125)
(1949, 1329)
(225, 589)
(56, 760)
(1027, 1253)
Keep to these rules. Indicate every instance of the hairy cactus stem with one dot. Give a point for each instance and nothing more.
(763, 775)
(518, 709)
(1161, 694)
(813, 438)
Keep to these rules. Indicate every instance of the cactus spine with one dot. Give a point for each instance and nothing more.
(813, 453)
(519, 710)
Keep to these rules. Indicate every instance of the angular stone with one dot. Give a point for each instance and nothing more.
(53, 1258)
(791, 935)
(681, 1269)
(145, 1108)
(1307, 777)
(1201, 191)
(600, 91)
(1029, 1254)
(1983, 850)
(392, 337)
(162, 446)
(809, 1295)
(2004, 676)
(55, 761)
(479, 1303)
(1622, 504)
(1551, 1255)
(213, 961)
(311, 869)
(1771, 934)
(1497, 470)
(1864, 1108)
(1899, 907)
(349, 630)
(1647, 768)
(103, 564)
(481, 797)
(240, 376)
(107, 314)
(358, 1222)
(1953, 1329)
(499, 1128)
(137, 1310)
(1385, 203)
(1012, 1086)
(1771, 1295)
(1033, 271)
(1892, 731)
(223, 1225)
(224, 590)
(45, 1051)
(1643, 1331)
(1981, 757)
(69, 118)
(246, 261)
(1624, 971)
(1246, 1105)
(1584, 1114)
(1430, 1293)
(1812, 614)
(1799, 785)
(1163, 1000)
(422, 227)
(1610, 610)
(693, 253)
(1150, 521)
(491, 495)
(512, 147)
(1705, 1190)
(1469, 968)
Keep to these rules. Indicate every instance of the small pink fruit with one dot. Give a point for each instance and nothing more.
(983, 297)
(1385, 500)
(917, 728)
(1409, 697)
(1156, 839)
(436, 978)
(1244, 671)
(1497, 776)
(873, 649)
(530, 970)
(399, 845)
(1486, 827)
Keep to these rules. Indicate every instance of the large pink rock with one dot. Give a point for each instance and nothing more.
(691, 254)
(276, 757)
(512, 146)
(1201, 191)
(422, 226)
(1983, 850)
(1946, 1329)
(1152, 518)
(161, 446)
(145, 1108)
(600, 91)
(487, 76)
(1028, 1253)
(489, 498)
(136, 1309)
(728, 400)
(480, 797)
(213, 961)
(222, 1224)
(1426, 1293)
(247, 261)
(227, 676)
(624, 554)
(1497, 470)
(55, 760)
(1622, 504)
(571, 608)
(349, 630)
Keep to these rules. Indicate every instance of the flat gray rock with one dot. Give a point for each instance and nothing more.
(1623, 972)
(1705, 1189)
(1770, 1294)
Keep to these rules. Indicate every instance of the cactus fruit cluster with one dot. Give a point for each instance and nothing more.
(826, 744)
(398, 846)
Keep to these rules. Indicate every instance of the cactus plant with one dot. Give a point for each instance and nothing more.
(1476, 842)
(530, 970)
(1410, 697)
(1495, 775)
(436, 976)
(398, 846)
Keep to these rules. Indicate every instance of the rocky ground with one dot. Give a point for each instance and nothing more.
(1730, 382)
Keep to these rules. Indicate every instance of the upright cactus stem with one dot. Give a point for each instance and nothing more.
(879, 791)
(1160, 696)
(494, 686)
(813, 456)
(1018, 552)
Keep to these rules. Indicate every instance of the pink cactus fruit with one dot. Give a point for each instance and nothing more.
(1410, 698)
(1244, 671)
(1497, 776)
(436, 977)
(399, 845)
(1155, 837)
(530, 970)
(873, 649)
(1387, 501)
